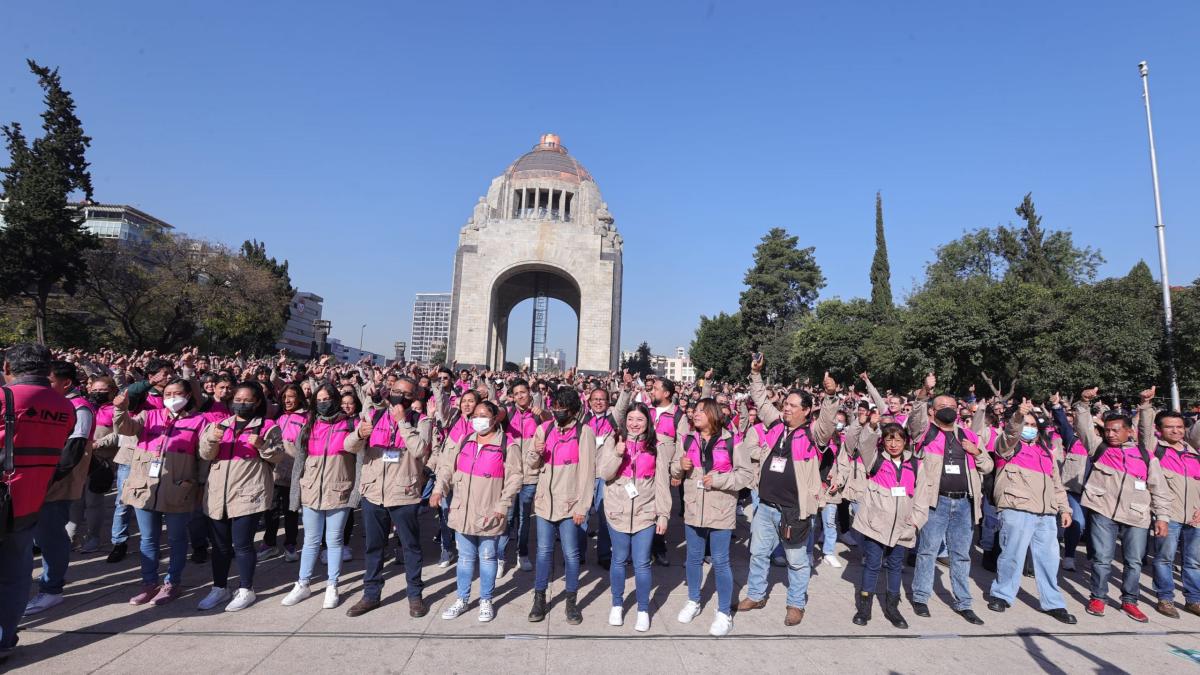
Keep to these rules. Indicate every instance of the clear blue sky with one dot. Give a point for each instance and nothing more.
(354, 138)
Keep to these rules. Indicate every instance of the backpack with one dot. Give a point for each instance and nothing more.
(10, 431)
(878, 464)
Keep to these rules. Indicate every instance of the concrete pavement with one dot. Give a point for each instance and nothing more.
(96, 630)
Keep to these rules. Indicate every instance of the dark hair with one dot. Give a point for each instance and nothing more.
(890, 430)
(187, 388)
(226, 377)
(156, 364)
(357, 401)
(568, 399)
(713, 411)
(1118, 417)
(306, 430)
(260, 407)
(519, 382)
(806, 399)
(667, 385)
(65, 370)
(1167, 414)
(292, 386)
(497, 419)
(651, 439)
(28, 359)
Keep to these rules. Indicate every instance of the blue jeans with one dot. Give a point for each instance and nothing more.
(990, 526)
(950, 523)
(1164, 578)
(1105, 533)
(1019, 530)
(1072, 534)
(718, 544)
(637, 544)
(120, 523)
(778, 552)
(763, 540)
(378, 524)
(829, 529)
(150, 525)
(851, 533)
(16, 564)
(520, 516)
(875, 557)
(50, 535)
(568, 533)
(473, 548)
(332, 522)
(603, 542)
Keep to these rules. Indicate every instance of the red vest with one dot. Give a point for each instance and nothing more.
(45, 419)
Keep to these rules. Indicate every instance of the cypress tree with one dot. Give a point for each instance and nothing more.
(881, 272)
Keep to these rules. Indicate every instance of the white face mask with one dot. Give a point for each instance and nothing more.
(175, 404)
(481, 424)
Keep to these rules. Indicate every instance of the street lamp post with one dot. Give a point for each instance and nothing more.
(1168, 321)
(360, 336)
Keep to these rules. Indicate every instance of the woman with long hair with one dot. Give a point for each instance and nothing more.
(295, 407)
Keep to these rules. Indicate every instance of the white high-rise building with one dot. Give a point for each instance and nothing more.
(430, 325)
(298, 338)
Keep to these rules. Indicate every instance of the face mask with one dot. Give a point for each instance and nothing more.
(327, 408)
(840, 425)
(399, 400)
(481, 424)
(1028, 434)
(243, 410)
(175, 404)
(561, 417)
(100, 398)
(946, 415)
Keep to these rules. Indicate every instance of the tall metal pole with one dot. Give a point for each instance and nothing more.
(1162, 242)
(360, 336)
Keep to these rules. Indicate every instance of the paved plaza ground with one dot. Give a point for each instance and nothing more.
(96, 630)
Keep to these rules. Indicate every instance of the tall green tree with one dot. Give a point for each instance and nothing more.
(720, 344)
(262, 338)
(43, 240)
(881, 271)
(639, 363)
(781, 286)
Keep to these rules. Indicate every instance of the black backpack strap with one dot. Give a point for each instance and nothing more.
(10, 430)
(1159, 452)
(377, 415)
(876, 465)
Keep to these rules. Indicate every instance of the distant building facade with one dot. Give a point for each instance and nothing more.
(430, 325)
(298, 338)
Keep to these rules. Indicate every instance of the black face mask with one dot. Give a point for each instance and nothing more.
(561, 416)
(327, 408)
(946, 415)
(403, 399)
(100, 398)
(243, 410)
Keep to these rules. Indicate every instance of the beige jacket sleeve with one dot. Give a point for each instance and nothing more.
(586, 473)
(767, 412)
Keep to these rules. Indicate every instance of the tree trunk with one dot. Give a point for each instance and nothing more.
(39, 316)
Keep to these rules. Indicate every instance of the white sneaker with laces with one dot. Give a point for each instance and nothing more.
(614, 617)
(690, 611)
(500, 565)
(643, 622)
(42, 602)
(486, 613)
(833, 561)
(331, 597)
(454, 611)
(299, 593)
(241, 600)
(526, 566)
(215, 597)
(721, 625)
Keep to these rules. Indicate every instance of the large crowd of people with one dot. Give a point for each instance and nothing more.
(222, 450)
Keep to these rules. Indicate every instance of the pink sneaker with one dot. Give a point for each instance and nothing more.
(149, 591)
(167, 593)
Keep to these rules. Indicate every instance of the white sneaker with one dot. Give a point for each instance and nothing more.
(42, 602)
(449, 558)
(454, 611)
(299, 593)
(721, 625)
(89, 546)
(241, 600)
(215, 597)
(834, 562)
(526, 566)
(331, 597)
(486, 613)
(690, 611)
(643, 622)
(1069, 564)
(500, 565)
(346, 555)
(614, 617)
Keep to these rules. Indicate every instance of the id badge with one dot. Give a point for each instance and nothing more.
(631, 490)
(391, 456)
(156, 468)
(953, 468)
(778, 464)
(1139, 485)
(700, 484)
(899, 491)
(600, 439)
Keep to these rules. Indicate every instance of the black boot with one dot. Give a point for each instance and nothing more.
(117, 554)
(990, 557)
(891, 611)
(539, 606)
(862, 603)
(574, 616)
